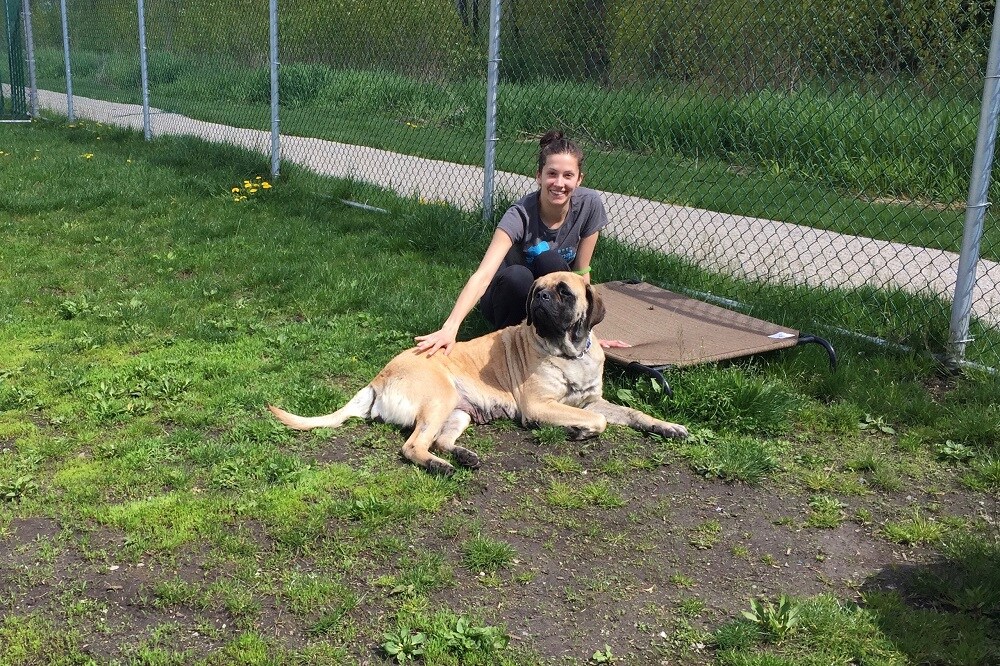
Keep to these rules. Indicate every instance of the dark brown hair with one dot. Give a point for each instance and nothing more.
(555, 143)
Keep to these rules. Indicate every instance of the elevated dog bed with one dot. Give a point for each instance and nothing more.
(668, 330)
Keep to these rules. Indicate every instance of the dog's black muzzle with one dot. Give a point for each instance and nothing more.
(551, 315)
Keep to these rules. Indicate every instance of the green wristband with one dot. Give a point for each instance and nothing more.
(582, 271)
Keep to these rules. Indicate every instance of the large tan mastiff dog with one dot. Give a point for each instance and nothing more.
(547, 370)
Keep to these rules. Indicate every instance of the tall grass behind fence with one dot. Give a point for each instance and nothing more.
(198, 58)
(104, 49)
(704, 120)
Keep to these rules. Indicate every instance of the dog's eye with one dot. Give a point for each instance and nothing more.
(563, 290)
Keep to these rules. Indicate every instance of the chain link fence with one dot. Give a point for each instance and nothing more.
(13, 97)
(807, 161)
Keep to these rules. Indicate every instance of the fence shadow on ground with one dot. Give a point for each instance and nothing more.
(946, 611)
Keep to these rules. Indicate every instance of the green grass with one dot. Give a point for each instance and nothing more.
(484, 553)
(706, 535)
(578, 495)
(917, 529)
(147, 318)
(828, 632)
(967, 579)
(932, 635)
(730, 458)
(562, 464)
(884, 630)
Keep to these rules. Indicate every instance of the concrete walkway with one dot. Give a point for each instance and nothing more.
(758, 249)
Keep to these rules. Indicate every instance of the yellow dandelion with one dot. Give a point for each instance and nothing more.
(258, 178)
(252, 190)
(247, 183)
(87, 156)
(266, 185)
(235, 190)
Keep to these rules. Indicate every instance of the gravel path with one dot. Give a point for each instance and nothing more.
(777, 252)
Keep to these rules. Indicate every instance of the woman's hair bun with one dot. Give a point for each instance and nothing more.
(550, 136)
(554, 142)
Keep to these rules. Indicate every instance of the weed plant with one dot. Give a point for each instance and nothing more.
(444, 637)
(825, 511)
(774, 621)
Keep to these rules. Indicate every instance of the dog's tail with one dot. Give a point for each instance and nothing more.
(360, 405)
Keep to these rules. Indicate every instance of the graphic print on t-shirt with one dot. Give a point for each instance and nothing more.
(567, 253)
(532, 252)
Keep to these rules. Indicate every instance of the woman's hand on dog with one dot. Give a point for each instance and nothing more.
(442, 340)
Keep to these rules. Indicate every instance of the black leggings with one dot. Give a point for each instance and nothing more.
(505, 302)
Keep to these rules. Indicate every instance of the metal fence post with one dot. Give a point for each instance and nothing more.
(275, 132)
(69, 74)
(147, 131)
(29, 46)
(977, 203)
(492, 82)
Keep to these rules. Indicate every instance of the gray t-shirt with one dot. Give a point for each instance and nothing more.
(523, 223)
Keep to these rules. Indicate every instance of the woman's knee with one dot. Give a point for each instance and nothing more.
(503, 304)
(515, 279)
(547, 262)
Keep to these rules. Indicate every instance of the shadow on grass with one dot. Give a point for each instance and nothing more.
(946, 611)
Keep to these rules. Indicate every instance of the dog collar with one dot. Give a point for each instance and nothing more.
(585, 349)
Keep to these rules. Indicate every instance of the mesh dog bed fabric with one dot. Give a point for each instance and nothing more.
(667, 329)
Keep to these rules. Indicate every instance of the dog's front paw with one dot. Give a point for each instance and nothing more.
(465, 457)
(577, 433)
(672, 430)
(440, 468)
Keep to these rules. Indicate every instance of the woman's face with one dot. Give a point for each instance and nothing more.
(558, 178)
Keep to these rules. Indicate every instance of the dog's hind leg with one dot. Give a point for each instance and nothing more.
(360, 406)
(453, 428)
(431, 419)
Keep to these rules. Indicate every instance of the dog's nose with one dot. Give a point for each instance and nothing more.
(543, 295)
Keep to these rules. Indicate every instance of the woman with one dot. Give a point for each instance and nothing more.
(553, 229)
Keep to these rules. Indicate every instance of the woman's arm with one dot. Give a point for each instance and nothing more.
(444, 339)
(585, 252)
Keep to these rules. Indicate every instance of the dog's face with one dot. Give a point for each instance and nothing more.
(563, 307)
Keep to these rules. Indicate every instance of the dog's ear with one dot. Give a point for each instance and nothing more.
(595, 308)
(527, 305)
